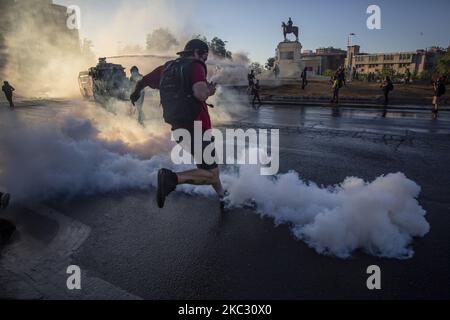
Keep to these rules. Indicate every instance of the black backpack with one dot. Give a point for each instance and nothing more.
(390, 86)
(177, 99)
(441, 89)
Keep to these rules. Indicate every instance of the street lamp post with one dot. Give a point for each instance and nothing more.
(350, 56)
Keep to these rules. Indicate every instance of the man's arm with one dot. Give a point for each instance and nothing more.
(203, 90)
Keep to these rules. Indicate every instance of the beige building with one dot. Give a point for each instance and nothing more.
(416, 61)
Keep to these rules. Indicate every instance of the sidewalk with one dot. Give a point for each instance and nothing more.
(324, 101)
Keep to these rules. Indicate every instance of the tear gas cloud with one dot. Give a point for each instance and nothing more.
(94, 151)
(44, 59)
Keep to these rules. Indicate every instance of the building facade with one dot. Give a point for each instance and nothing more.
(323, 59)
(416, 62)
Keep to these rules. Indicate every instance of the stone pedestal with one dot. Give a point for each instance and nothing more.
(289, 55)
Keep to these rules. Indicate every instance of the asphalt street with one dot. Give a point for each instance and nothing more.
(128, 248)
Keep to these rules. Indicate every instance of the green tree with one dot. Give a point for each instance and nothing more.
(443, 67)
(201, 37)
(270, 63)
(329, 73)
(257, 67)
(161, 40)
(218, 48)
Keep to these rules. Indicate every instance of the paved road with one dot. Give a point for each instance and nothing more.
(127, 248)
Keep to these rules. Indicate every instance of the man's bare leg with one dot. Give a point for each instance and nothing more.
(200, 177)
(168, 181)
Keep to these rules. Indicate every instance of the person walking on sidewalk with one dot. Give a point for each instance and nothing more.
(336, 85)
(304, 77)
(255, 92)
(387, 86)
(439, 91)
(8, 90)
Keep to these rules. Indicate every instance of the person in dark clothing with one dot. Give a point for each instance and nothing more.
(439, 91)
(407, 77)
(135, 77)
(251, 81)
(276, 71)
(304, 78)
(8, 90)
(340, 74)
(255, 92)
(387, 86)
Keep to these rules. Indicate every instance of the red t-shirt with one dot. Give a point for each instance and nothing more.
(153, 80)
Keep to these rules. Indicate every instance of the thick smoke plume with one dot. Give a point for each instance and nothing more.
(97, 152)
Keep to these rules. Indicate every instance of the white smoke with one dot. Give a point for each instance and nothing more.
(99, 152)
(380, 218)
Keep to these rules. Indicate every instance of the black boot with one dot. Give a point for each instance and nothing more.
(167, 183)
(4, 200)
(7, 229)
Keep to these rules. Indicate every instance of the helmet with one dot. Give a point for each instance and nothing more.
(134, 69)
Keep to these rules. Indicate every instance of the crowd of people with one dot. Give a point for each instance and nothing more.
(339, 81)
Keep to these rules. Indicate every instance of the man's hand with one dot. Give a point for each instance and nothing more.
(212, 87)
(135, 96)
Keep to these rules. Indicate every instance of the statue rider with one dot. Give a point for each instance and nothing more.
(290, 24)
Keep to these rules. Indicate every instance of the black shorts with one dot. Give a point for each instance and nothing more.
(199, 161)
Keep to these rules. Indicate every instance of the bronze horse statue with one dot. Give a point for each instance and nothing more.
(290, 29)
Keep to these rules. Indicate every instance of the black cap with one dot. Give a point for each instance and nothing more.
(194, 44)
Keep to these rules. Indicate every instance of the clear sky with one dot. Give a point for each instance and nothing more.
(254, 26)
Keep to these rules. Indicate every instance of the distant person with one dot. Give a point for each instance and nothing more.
(439, 91)
(407, 77)
(134, 79)
(387, 86)
(255, 92)
(8, 90)
(304, 78)
(276, 71)
(336, 85)
(340, 74)
(251, 80)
